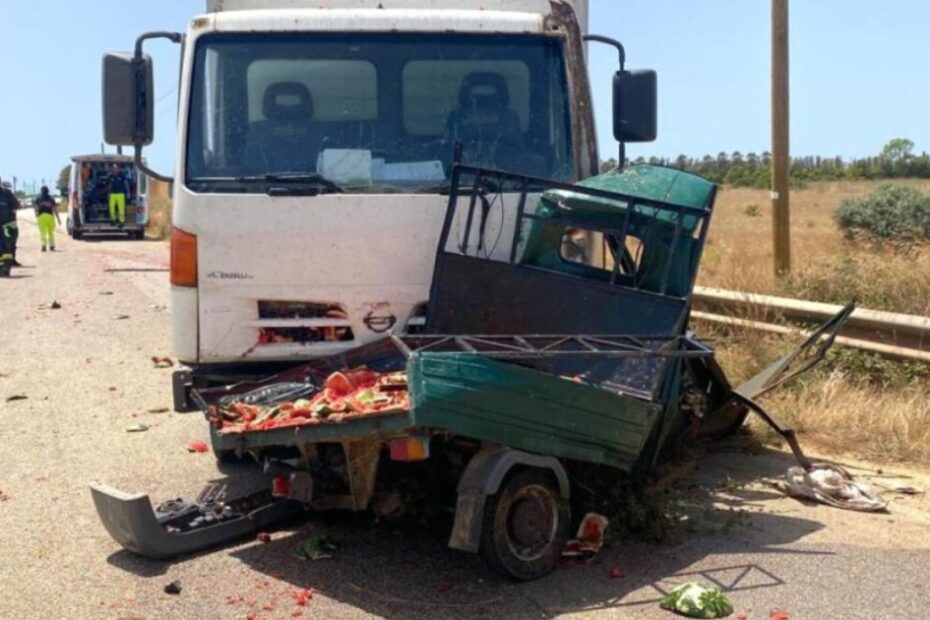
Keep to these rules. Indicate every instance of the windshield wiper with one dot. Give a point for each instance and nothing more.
(323, 185)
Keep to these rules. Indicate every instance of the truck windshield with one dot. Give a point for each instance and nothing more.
(374, 112)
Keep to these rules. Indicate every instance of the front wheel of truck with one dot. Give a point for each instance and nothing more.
(525, 525)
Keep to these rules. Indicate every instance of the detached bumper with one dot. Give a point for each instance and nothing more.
(178, 528)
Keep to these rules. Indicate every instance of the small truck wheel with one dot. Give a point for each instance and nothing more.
(525, 526)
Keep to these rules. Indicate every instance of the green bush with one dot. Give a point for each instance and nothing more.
(891, 212)
(752, 210)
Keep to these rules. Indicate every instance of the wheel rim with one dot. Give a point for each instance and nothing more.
(532, 521)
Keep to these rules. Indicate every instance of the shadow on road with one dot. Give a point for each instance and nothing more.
(137, 565)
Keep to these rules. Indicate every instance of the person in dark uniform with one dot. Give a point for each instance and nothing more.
(8, 230)
(119, 192)
(46, 215)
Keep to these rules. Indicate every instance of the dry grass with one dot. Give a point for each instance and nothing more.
(853, 403)
(827, 267)
(844, 416)
(159, 217)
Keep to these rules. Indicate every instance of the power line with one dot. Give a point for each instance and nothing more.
(166, 95)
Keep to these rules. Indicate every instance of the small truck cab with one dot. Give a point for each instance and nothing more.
(314, 153)
(89, 192)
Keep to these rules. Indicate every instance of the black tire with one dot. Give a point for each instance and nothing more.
(76, 234)
(525, 526)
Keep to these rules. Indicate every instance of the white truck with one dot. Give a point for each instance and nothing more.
(315, 143)
(88, 196)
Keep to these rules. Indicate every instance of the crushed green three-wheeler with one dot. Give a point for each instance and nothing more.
(556, 337)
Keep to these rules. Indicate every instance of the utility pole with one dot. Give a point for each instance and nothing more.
(781, 213)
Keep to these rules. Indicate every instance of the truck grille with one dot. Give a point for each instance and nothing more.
(302, 322)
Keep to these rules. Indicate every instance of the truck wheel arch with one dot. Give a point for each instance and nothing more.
(482, 477)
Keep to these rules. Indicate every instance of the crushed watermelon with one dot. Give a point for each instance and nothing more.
(345, 394)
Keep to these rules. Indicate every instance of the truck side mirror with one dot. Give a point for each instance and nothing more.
(635, 106)
(128, 115)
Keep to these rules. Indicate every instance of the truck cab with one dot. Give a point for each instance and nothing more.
(315, 147)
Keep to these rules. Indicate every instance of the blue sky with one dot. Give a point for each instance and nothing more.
(858, 74)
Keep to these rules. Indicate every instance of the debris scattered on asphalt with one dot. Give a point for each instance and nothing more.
(617, 573)
(162, 362)
(300, 597)
(316, 547)
(4, 497)
(263, 537)
(158, 410)
(589, 539)
(346, 395)
(197, 446)
(106, 292)
(696, 600)
(833, 485)
(443, 587)
(112, 388)
(173, 588)
(16, 397)
(303, 597)
(137, 428)
(55, 305)
(121, 317)
(779, 614)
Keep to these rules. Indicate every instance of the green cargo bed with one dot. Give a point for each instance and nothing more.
(549, 395)
(527, 409)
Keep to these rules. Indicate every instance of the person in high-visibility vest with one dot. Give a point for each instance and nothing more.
(46, 216)
(8, 230)
(119, 191)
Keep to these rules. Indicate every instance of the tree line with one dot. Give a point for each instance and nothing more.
(896, 160)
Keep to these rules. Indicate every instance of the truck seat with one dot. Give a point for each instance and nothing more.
(484, 122)
(285, 141)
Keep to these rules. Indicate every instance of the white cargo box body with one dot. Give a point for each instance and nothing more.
(539, 7)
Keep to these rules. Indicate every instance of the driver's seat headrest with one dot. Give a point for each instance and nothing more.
(484, 91)
(288, 101)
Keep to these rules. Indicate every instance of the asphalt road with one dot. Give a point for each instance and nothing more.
(86, 372)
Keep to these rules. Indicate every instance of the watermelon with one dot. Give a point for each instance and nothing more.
(339, 384)
(362, 378)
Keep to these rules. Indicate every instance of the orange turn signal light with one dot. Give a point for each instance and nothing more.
(409, 449)
(183, 258)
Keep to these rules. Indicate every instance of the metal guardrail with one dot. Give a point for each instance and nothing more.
(893, 335)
